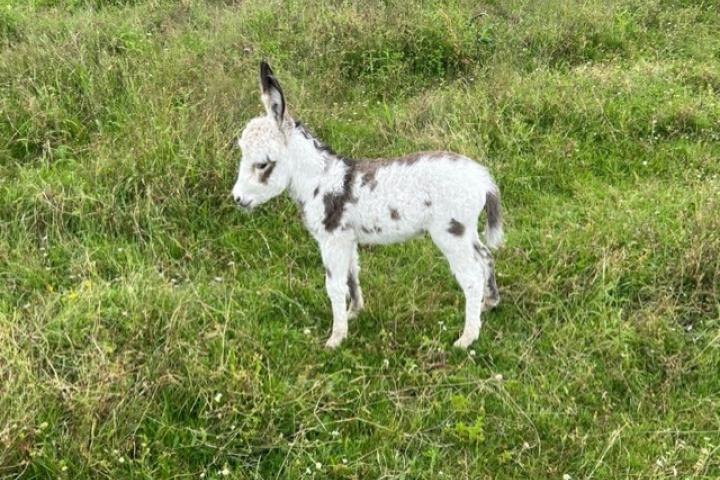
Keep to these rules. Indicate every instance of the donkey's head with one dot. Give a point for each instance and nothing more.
(264, 170)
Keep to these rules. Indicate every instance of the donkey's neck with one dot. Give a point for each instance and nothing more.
(315, 165)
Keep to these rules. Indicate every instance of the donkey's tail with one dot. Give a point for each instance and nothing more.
(493, 227)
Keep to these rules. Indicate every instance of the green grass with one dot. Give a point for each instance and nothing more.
(149, 330)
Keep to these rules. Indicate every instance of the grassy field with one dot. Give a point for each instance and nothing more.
(149, 330)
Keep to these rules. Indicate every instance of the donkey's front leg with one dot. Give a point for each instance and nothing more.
(353, 281)
(337, 255)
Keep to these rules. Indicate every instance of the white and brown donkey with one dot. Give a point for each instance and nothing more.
(346, 202)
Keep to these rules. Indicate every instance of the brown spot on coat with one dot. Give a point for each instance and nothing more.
(394, 214)
(456, 228)
(428, 203)
(369, 167)
(429, 155)
(368, 178)
(335, 202)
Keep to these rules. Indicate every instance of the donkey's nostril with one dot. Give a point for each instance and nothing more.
(241, 203)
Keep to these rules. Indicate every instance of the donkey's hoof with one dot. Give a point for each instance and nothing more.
(334, 341)
(464, 342)
(354, 310)
(489, 303)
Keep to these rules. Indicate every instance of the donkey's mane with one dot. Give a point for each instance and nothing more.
(320, 146)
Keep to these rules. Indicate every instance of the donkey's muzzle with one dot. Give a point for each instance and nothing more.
(244, 204)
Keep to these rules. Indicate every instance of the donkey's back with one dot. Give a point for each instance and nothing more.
(395, 199)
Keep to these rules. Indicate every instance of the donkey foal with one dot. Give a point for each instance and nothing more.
(346, 202)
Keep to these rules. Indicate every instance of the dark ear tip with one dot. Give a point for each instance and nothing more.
(265, 69)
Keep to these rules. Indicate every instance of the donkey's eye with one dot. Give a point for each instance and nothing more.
(262, 165)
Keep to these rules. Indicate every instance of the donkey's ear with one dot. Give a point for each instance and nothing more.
(271, 93)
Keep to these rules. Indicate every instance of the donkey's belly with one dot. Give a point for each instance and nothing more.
(388, 223)
(383, 237)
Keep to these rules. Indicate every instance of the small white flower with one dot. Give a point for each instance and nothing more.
(306, 331)
(219, 279)
(121, 460)
(472, 353)
(218, 397)
(386, 363)
(225, 472)
(566, 476)
(344, 460)
(498, 377)
(335, 433)
(318, 465)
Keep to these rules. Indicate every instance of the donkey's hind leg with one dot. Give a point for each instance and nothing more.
(454, 241)
(483, 256)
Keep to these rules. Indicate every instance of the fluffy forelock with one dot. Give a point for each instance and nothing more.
(260, 131)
